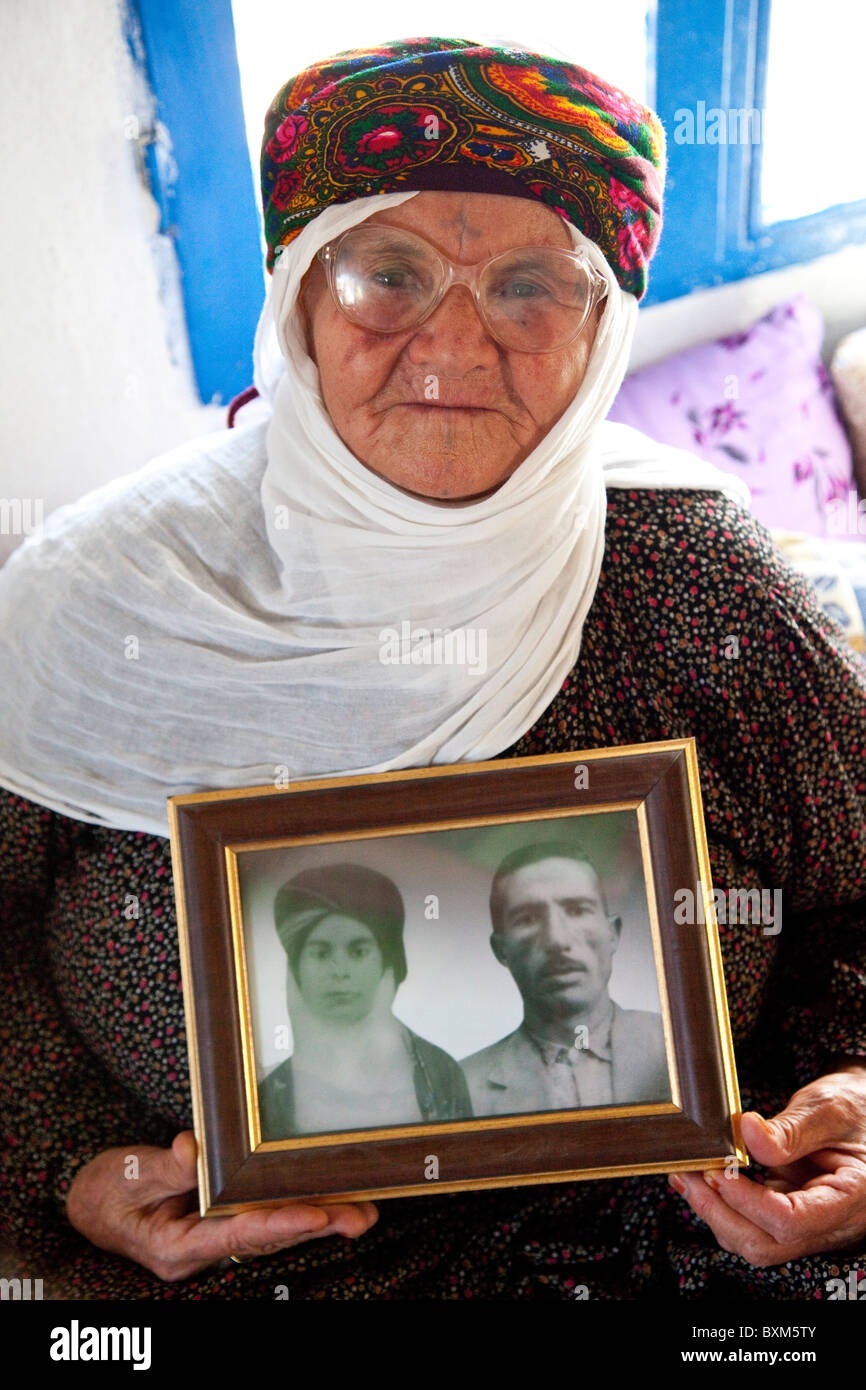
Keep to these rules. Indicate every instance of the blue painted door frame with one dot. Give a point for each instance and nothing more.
(201, 178)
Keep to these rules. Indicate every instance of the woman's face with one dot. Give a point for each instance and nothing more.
(494, 405)
(339, 970)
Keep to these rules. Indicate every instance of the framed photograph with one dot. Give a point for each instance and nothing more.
(448, 978)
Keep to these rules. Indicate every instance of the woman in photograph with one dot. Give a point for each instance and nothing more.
(354, 1065)
(459, 237)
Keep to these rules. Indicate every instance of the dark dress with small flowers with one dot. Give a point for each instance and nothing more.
(93, 1045)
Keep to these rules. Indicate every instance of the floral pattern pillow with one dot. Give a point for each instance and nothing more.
(759, 404)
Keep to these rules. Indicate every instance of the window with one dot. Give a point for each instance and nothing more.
(813, 93)
(275, 40)
(718, 70)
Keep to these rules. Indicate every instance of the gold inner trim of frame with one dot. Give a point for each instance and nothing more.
(327, 1138)
(729, 1065)
(456, 823)
(658, 955)
(239, 960)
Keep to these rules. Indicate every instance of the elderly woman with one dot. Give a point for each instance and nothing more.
(463, 237)
(354, 1064)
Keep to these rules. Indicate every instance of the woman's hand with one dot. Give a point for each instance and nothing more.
(815, 1195)
(148, 1218)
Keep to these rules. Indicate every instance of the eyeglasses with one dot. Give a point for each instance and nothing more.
(530, 299)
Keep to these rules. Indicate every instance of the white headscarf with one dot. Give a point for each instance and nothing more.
(251, 607)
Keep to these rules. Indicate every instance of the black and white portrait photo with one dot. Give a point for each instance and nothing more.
(354, 1064)
(433, 977)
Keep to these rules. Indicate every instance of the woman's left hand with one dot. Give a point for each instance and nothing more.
(814, 1197)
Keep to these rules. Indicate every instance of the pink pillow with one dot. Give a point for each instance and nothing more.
(758, 404)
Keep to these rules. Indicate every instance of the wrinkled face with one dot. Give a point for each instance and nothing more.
(494, 405)
(556, 939)
(339, 970)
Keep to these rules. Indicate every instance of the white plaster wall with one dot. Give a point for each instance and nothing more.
(90, 387)
(836, 283)
(94, 378)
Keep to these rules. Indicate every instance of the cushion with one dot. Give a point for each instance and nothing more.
(838, 575)
(848, 371)
(759, 404)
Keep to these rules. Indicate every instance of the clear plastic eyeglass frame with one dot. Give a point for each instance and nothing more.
(471, 276)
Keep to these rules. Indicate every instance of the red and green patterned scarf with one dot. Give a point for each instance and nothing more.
(448, 114)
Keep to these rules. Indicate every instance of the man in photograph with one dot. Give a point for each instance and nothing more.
(576, 1047)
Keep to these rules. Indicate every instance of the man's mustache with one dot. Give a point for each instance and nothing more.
(565, 965)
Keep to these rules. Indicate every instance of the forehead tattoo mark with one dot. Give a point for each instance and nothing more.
(464, 228)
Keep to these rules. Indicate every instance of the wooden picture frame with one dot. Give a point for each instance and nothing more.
(640, 807)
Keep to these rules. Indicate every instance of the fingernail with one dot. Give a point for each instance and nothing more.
(759, 1119)
(712, 1180)
(677, 1184)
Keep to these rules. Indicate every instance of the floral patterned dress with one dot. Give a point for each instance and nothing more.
(697, 628)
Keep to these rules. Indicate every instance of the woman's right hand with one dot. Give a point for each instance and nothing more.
(149, 1219)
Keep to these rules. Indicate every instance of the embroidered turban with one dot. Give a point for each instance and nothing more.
(448, 114)
(349, 890)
